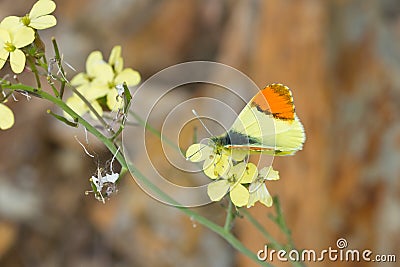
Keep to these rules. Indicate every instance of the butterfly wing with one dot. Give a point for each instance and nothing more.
(268, 124)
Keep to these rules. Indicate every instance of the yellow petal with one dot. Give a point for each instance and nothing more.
(6, 117)
(218, 189)
(130, 76)
(239, 195)
(79, 79)
(92, 61)
(103, 73)
(41, 8)
(223, 165)
(43, 22)
(23, 37)
(4, 36)
(11, 23)
(267, 173)
(238, 169)
(3, 57)
(114, 101)
(198, 152)
(83, 88)
(17, 61)
(209, 170)
(98, 109)
(259, 192)
(119, 65)
(77, 105)
(95, 90)
(115, 60)
(216, 165)
(244, 173)
(250, 174)
(114, 55)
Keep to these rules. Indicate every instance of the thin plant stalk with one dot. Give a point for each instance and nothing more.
(229, 237)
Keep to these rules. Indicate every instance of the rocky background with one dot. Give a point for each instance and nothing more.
(342, 61)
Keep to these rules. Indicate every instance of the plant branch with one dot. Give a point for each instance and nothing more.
(272, 241)
(229, 217)
(35, 71)
(154, 131)
(58, 61)
(138, 175)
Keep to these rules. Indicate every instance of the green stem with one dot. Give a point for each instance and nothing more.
(138, 175)
(92, 109)
(61, 105)
(275, 244)
(35, 71)
(229, 237)
(280, 221)
(154, 131)
(58, 61)
(229, 217)
(54, 89)
(63, 83)
(62, 119)
(272, 241)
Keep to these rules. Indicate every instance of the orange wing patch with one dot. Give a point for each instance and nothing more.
(275, 99)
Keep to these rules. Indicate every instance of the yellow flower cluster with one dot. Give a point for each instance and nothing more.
(100, 81)
(231, 173)
(16, 33)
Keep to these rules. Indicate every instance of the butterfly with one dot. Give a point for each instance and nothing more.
(268, 124)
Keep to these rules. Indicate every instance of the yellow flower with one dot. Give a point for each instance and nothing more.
(38, 18)
(92, 84)
(217, 159)
(232, 181)
(101, 79)
(215, 163)
(10, 44)
(258, 189)
(6, 117)
(121, 75)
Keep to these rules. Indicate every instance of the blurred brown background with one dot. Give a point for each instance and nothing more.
(342, 61)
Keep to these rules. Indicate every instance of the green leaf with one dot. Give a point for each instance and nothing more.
(63, 119)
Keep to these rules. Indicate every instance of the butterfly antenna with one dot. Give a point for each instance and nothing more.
(205, 127)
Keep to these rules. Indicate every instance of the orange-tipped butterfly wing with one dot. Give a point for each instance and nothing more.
(268, 124)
